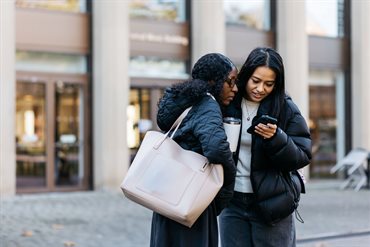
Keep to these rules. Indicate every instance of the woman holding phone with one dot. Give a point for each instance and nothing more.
(269, 153)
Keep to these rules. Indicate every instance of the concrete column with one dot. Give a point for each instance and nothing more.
(7, 98)
(292, 44)
(110, 92)
(207, 27)
(360, 60)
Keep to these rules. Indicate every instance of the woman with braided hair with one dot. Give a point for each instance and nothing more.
(213, 86)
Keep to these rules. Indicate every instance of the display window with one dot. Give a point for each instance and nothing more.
(138, 117)
(155, 67)
(170, 10)
(141, 115)
(254, 14)
(61, 5)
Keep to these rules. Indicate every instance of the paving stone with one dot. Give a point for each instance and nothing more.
(108, 219)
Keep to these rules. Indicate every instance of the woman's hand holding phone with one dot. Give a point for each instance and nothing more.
(264, 126)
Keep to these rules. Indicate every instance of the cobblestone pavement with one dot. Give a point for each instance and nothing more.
(108, 219)
(86, 219)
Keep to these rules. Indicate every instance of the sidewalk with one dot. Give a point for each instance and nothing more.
(332, 218)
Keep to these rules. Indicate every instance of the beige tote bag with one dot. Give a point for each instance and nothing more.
(176, 183)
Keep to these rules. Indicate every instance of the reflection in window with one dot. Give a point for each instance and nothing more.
(142, 66)
(30, 135)
(50, 62)
(252, 13)
(325, 18)
(62, 5)
(171, 10)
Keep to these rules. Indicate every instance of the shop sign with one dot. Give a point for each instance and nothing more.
(160, 38)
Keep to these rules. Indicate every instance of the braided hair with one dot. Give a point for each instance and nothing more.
(208, 75)
(213, 68)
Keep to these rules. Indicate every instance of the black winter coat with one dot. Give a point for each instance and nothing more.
(201, 131)
(287, 151)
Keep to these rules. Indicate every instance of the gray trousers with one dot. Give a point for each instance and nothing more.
(241, 226)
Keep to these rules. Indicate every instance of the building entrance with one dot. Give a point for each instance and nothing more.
(52, 126)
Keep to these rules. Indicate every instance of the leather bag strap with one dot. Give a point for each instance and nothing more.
(178, 121)
(175, 125)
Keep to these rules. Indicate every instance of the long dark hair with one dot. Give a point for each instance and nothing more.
(265, 56)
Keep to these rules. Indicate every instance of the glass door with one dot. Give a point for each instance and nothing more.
(69, 158)
(51, 128)
(30, 137)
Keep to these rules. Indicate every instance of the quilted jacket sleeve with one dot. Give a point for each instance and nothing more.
(291, 149)
(208, 129)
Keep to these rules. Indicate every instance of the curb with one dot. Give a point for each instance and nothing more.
(327, 236)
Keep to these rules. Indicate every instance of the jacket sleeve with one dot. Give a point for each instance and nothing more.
(208, 128)
(291, 149)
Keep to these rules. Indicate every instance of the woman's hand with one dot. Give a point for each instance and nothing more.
(266, 131)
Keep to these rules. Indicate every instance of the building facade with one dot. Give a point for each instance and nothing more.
(80, 80)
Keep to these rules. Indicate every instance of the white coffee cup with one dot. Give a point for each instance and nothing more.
(232, 129)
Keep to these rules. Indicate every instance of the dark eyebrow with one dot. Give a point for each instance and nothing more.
(257, 78)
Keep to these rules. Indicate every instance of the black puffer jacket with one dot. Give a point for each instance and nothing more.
(201, 131)
(287, 151)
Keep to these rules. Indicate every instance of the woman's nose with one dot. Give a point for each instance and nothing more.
(235, 88)
(260, 87)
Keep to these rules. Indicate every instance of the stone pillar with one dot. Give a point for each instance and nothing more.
(7, 98)
(360, 77)
(207, 28)
(292, 44)
(110, 92)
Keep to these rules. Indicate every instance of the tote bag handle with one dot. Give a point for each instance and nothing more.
(175, 125)
(181, 117)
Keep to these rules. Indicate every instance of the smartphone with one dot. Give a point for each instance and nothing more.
(265, 119)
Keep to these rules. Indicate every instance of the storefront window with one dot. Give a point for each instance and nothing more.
(142, 66)
(326, 121)
(171, 10)
(138, 116)
(30, 135)
(50, 62)
(252, 13)
(61, 5)
(325, 18)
